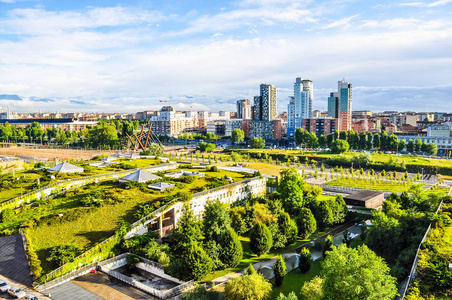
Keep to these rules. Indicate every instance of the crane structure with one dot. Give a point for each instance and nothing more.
(142, 140)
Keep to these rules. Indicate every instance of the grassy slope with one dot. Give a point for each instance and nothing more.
(365, 184)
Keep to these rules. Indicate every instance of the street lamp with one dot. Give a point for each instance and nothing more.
(422, 174)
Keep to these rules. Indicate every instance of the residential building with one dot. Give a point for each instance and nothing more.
(361, 114)
(440, 130)
(244, 109)
(224, 127)
(64, 123)
(404, 118)
(265, 104)
(300, 105)
(444, 143)
(316, 113)
(345, 105)
(268, 130)
(321, 126)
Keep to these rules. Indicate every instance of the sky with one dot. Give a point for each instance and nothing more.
(126, 56)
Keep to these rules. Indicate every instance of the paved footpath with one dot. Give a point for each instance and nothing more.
(337, 239)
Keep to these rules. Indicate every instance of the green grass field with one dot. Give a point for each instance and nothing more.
(370, 185)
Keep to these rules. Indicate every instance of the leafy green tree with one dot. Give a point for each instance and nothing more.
(257, 143)
(260, 239)
(290, 296)
(401, 145)
(63, 254)
(286, 232)
(369, 142)
(216, 220)
(200, 293)
(432, 149)
(356, 274)
(322, 141)
(248, 287)
(238, 136)
(384, 235)
(327, 245)
(312, 290)
(210, 147)
(156, 149)
(196, 263)
(410, 146)
(324, 215)
(280, 270)
(362, 140)
(103, 135)
(6, 214)
(343, 135)
(231, 248)
(329, 140)
(424, 147)
(376, 141)
(187, 231)
(305, 260)
(393, 142)
(340, 146)
(417, 145)
(339, 209)
(301, 136)
(291, 189)
(306, 223)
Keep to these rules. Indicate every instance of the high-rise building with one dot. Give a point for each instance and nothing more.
(340, 105)
(244, 109)
(300, 106)
(265, 104)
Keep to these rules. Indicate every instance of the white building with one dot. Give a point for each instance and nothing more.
(300, 105)
(440, 130)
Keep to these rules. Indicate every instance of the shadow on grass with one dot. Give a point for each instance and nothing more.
(95, 236)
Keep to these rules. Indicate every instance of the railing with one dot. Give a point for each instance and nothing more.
(404, 288)
(22, 198)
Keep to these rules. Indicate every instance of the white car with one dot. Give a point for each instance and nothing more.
(4, 286)
(16, 292)
(31, 297)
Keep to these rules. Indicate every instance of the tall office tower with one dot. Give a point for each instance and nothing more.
(333, 105)
(265, 104)
(345, 104)
(244, 109)
(340, 105)
(300, 106)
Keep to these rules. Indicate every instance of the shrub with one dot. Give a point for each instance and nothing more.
(260, 239)
(305, 260)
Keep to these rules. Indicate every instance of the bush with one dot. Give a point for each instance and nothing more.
(306, 223)
(260, 239)
(279, 270)
(305, 260)
(250, 287)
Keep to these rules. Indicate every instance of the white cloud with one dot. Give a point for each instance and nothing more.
(345, 22)
(425, 4)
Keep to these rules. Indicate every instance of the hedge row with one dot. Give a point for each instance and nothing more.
(33, 257)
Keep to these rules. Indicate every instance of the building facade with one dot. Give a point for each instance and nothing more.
(265, 104)
(345, 105)
(300, 105)
(244, 109)
(321, 126)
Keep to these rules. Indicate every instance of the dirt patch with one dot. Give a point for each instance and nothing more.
(51, 154)
(106, 287)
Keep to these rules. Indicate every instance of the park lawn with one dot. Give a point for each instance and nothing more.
(95, 225)
(24, 188)
(324, 197)
(293, 281)
(250, 258)
(370, 185)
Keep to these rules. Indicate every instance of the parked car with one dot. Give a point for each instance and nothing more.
(31, 297)
(16, 292)
(4, 286)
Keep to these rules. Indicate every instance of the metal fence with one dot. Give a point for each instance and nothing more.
(407, 281)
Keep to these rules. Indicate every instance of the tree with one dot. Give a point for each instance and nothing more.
(369, 142)
(247, 287)
(328, 245)
(231, 249)
(324, 215)
(286, 232)
(329, 140)
(362, 140)
(312, 290)
(291, 189)
(393, 142)
(200, 293)
(340, 146)
(196, 263)
(410, 146)
(103, 135)
(6, 214)
(343, 135)
(290, 296)
(356, 274)
(186, 232)
(280, 270)
(156, 149)
(237, 136)
(376, 141)
(216, 220)
(322, 141)
(63, 254)
(260, 239)
(305, 260)
(401, 145)
(338, 209)
(424, 147)
(417, 145)
(301, 136)
(257, 143)
(210, 147)
(432, 149)
(384, 235)
(306, 223)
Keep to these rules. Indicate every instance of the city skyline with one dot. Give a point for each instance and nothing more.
(108, 56)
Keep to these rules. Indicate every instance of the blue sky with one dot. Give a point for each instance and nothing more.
(114, 56)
